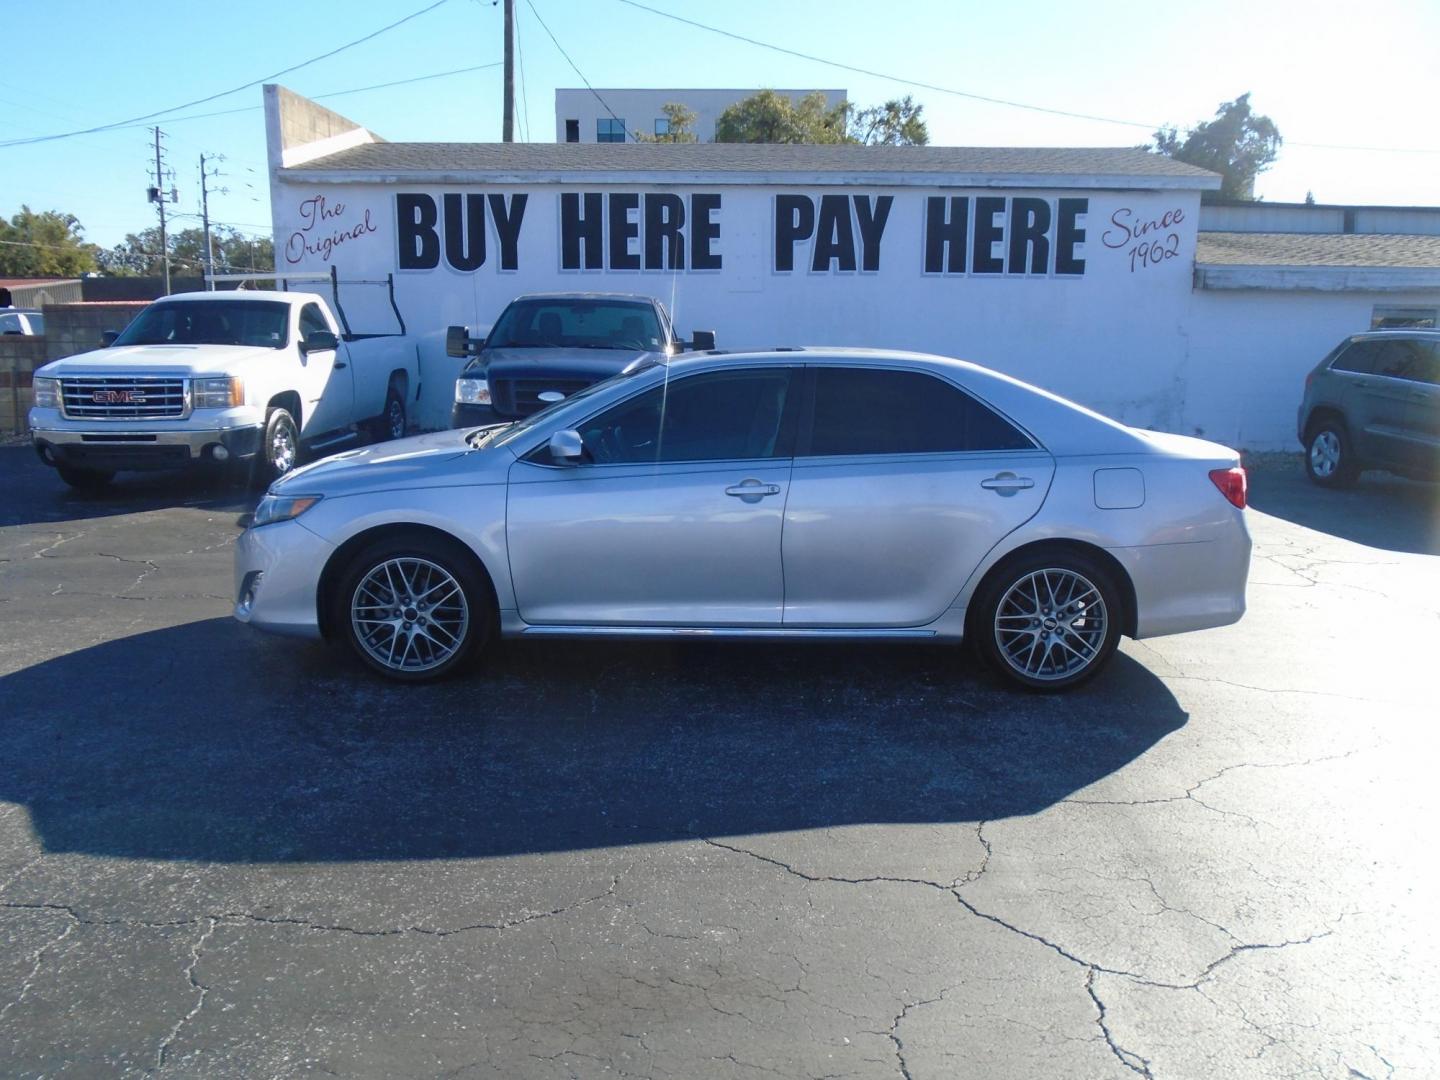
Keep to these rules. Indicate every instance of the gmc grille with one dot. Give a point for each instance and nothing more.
(134, 398)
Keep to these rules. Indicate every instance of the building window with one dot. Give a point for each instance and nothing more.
(610, 130)
(1403, 318)
(662, 128)
(572, 130)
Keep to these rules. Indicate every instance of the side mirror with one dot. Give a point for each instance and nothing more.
(566, 447)
(702, 340)
(108, 338)
(319, 341)
(459, 343)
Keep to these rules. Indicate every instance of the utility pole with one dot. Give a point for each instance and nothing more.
(509, 122)
(205, 176)
(160, 197)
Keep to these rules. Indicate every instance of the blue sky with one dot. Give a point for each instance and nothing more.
(1327, 74)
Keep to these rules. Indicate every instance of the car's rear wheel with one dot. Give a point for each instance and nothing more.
(413, 608)
(1329, 460)
(1048, 622)
(85, 479)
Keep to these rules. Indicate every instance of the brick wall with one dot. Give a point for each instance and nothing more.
(69, 329)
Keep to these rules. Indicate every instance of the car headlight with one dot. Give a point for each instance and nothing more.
(47, 393)
(275, 508)
(221, 393)
(472, 391)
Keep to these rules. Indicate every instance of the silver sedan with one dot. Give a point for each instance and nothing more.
(811, 493)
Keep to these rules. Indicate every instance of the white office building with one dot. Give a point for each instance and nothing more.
(618, 115)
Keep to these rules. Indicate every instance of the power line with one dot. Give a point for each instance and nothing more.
(580, 73)
(524, 98)
(233, 90)
(332, 93)
(973, 96)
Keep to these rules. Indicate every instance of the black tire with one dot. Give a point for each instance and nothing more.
(85, 479)
(1043, 652)
(274, 461)
(392, 421)
(1329, 455)
(405, 626)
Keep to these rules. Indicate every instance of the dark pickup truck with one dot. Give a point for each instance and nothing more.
(546, 346)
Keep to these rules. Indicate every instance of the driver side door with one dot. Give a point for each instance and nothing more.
(672, 518)
(327, 395)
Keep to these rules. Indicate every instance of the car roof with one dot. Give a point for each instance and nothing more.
(639, 298)
(1397, 331)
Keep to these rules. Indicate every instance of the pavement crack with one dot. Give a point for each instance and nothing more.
(202, 991)
(823, 877)
(894, 1033)
(1131, 1060)
(38, 963)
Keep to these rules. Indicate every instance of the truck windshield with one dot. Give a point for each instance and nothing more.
(577, 324)
(257, 323)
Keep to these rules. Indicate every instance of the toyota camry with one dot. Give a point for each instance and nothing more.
(797, 494)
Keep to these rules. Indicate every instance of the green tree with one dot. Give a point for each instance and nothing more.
(140, 253)
(48, 244)
(768, 117)
(1239, 144)
(681, 126)
(896, 123)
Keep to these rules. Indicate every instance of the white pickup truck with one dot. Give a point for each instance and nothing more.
(221, 377)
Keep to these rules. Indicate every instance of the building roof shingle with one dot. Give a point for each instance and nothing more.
(1317, 249)
(754, 159)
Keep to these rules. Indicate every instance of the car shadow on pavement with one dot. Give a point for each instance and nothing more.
(33, 493)
(207, 742)
(1380, 511)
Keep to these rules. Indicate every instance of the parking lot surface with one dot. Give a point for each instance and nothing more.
(226, 855)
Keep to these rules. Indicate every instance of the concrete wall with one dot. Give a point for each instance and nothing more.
(69, 329)
(641, 108)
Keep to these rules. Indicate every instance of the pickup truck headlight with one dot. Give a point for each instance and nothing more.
(472, 391)
(221, 393)
(275, 508)
(47, 393)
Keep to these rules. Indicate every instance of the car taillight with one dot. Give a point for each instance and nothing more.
(1232, 484)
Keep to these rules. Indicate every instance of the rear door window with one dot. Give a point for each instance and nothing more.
(1358, 358)
(872, 411)
(1403, 358)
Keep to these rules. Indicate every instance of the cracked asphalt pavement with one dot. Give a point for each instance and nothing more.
(225, 855)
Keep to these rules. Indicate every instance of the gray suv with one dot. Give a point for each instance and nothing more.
(1374, 403)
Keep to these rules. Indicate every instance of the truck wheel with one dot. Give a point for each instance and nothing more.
(280, 446)
(413, 608)
(85, 479)
(392, 421)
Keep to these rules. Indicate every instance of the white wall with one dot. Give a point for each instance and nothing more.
(641, 108)
(1128, 337)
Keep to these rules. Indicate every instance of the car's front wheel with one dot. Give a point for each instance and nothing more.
(413, 608)
(1048, 622)
(1329, 460)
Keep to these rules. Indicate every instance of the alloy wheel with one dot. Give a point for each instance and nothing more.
(282, 448)
(1325, 454)
(409, 614)
(1051, 624)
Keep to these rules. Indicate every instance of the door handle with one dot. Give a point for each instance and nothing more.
(339, 364)
(752, 490)
(1006, 483)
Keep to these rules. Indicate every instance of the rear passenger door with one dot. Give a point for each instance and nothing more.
(901, 485)
(1422, 414)
(1373, 400)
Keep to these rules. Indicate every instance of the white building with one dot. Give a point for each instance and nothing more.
(617, 114)
(1092, 272)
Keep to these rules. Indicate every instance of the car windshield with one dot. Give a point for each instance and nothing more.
(550, 412)
(577, 324)
(257, 323)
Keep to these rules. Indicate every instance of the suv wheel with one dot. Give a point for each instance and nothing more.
(1329, 461)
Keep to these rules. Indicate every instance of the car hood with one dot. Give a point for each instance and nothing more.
(156, 360)
(441, 459)
(591, 364)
